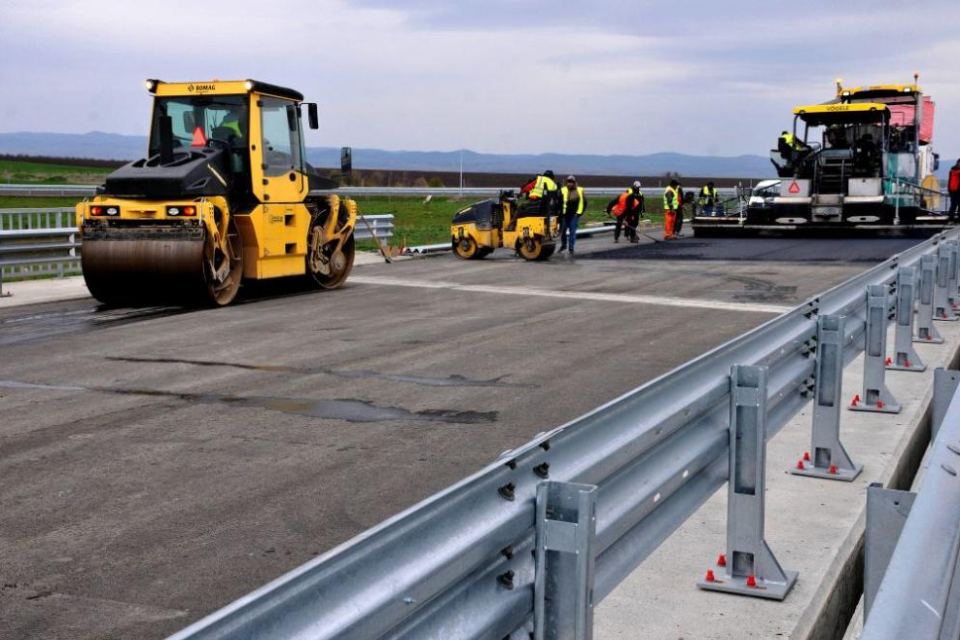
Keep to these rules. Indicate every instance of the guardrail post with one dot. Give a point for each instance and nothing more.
(942, 311)
(749, 566)
(2, 294)
(563, 582)
(830, 458)
(905, 357)
(887, 511)
(875, 395)
(945, 383)
(926, 332)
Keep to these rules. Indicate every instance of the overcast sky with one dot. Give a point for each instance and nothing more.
(628, 77)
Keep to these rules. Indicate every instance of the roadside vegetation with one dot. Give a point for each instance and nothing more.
(25, 172)
(417, 220)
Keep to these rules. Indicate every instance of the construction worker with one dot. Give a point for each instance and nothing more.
(574, 203)
(671, 203)
(791, 148)
(543, 189)
(953, 187)
(627, 208)
(708, 195)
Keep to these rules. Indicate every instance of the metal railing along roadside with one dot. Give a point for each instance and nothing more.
(911, 568)
(531, 543)
(44, 242)
(38, 242)
(397, 192)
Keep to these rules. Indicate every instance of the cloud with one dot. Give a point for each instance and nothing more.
(503, 76)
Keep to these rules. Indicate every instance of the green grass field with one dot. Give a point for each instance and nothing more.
(21, 172)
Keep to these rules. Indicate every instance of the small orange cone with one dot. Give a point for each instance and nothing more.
(722, 561)
(806, 456)
(833, 469)
(889, 361)
(800, 465)
(856, 400)
(751, 581)
(710, 577)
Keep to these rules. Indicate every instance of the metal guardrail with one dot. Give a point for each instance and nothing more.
(399, 192)
(919, 595)
(38, 242)
(531, 543)
(44, 242)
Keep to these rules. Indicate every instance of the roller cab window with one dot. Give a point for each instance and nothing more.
(221, 122)
(282, 142)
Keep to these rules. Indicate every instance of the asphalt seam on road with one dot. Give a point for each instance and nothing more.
(574, 295)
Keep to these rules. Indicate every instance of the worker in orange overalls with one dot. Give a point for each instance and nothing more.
(671, 204)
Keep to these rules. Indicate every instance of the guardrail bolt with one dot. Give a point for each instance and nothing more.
(507, 553)
(506, 579)
(542, 470)
(507, 491)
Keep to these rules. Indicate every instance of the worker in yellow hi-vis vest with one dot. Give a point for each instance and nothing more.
(671, 204)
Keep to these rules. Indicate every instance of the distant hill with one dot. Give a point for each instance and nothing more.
(111, 146)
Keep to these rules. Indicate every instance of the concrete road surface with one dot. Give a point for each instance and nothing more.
(157, 464)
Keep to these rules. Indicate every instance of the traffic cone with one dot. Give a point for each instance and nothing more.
(751, 581)
(833, 469)
(722, 561)
(710, 577)
(889, 361)
(800, 465)
(879, 404)
(856, 400)
(806, 456)
(907, 363)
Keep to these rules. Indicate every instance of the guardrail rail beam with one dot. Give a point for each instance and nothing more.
(749, 567)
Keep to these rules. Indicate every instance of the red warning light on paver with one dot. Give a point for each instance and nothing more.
(794, 187)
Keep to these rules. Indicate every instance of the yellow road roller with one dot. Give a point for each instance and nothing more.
(224, 195)
(528, 228)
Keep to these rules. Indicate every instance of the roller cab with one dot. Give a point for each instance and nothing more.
(222, 196)
(482, 227)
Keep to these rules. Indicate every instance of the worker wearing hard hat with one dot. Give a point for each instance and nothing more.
(573, 204)
(627, 208)
(671, 203)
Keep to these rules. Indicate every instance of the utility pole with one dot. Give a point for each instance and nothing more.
(461, 173)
